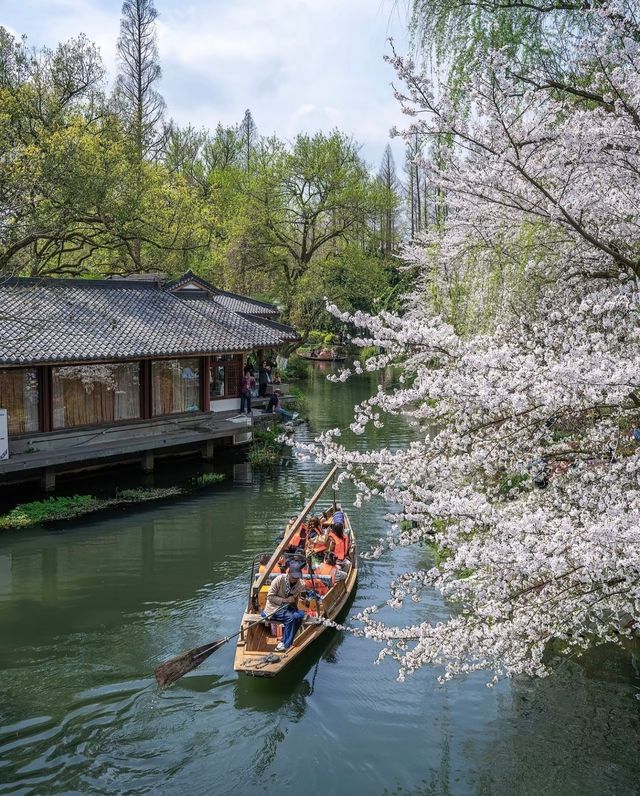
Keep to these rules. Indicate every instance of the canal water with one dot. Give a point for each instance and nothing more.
(87, 610)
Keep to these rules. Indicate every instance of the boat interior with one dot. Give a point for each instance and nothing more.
(263, 636)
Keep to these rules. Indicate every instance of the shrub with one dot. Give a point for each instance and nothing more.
(296, 369)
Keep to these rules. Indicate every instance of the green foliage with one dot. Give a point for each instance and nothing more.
(75, 198)
(84, 194)
(267, 447)
(66, 508)
(367, 352)
(513, 484)
(207, 479)
(457, 34)
(60, 508)
(140, 495)
(297, 368)
(299, 403)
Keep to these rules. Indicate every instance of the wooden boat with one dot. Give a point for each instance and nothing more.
(336, 358)
(255, 647)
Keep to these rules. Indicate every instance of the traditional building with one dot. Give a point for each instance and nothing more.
(88, 357)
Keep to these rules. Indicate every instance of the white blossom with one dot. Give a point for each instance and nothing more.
(524, 472)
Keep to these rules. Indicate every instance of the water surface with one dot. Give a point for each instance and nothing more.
(87, 610)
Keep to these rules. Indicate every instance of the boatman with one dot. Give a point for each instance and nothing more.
(282, 603)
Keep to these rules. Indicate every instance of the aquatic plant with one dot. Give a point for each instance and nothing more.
(207, 479)
(266, 449)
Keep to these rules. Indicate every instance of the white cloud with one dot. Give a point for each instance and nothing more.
(298, 64)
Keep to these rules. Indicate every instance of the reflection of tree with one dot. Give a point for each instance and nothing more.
(571, 733)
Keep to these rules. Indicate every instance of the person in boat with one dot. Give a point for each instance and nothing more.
(299, 538)
(327, 569)
(264, 560)
(282, 603)
(338, 516)
(316, 540)
(339, 545)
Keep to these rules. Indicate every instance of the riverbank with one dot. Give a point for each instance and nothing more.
(58, 509)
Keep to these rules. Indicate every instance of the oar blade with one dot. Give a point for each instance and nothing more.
(170, 671)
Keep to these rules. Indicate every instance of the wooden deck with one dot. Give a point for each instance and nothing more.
(43, 456)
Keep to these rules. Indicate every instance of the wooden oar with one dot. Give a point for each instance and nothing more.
(170, 671)
(291, 532)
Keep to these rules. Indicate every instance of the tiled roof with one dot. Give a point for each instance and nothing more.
(263, 332)
(280, 331)
(237, 303)
(232, 301)
(56, 320)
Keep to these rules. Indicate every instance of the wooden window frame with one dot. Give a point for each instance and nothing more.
(230, 362)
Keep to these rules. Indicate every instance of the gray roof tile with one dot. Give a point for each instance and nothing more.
(55, 320)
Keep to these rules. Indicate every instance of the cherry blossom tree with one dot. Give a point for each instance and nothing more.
(524, 472)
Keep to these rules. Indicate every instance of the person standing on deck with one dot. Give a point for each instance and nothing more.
(245, 392)
(264, 378)
(282, 601)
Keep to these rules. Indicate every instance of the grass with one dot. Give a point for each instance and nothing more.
(54, 509)
(267, 448)
(207, 479)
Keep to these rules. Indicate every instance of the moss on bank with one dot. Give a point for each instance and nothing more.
(54, 509)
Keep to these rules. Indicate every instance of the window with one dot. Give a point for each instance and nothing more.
(84, 395)
(20, 396)
(175, 386)
(226, 373)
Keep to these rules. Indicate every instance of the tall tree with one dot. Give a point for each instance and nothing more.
(137, 96)
(310, 198)
(390, 185)
(249, 138)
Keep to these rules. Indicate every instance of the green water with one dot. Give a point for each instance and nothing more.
(86, 610)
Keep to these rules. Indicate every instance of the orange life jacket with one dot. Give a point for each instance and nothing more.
(317, 584)
(299, 537)
(327, 570)
(340, 546)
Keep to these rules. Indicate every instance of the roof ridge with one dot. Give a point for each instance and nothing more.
(58, 282)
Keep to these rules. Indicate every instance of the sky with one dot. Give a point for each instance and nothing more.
(299, 65)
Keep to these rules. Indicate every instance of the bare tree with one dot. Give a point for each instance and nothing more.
(140, 103)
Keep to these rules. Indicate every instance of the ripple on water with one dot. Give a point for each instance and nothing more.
(86, 613)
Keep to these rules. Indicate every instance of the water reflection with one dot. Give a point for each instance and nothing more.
(88, 610)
